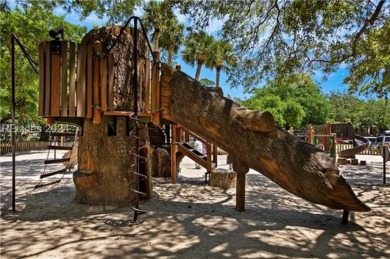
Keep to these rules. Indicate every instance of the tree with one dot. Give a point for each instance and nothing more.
(222, 56)
(31, 28)
(280, 37)
(172, 37)
(207, 82)
(293, 101)
(349, 108)
(157, 16)
(197, 50)
(115, 11)
(296, 166)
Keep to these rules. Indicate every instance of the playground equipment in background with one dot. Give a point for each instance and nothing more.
(321, 137)
(360, 144)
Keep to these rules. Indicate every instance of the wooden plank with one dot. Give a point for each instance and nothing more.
(64, 79)
(89, 82)
(157, 82)
(97, 49)
(103, 83)
(80, 92)
(41, 102)
(47, 79)
(55, 85)
(173, 154)
(72, 83)
(147, 85)
(110, 82)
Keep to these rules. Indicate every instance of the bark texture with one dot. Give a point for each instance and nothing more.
(105, 172)
(255, 142)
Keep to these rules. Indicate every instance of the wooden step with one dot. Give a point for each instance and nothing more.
(62, 134)
(53, 161)
(53, 173)
(60, 147)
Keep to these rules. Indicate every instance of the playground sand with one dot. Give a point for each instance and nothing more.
(190, 219)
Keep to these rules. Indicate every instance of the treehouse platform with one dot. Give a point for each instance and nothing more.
(79, 81)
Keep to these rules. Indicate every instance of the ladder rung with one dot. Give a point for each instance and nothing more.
(138, 192)
(60, 147)
(138, 211)
(53, 173)
(46, 184)
(62, 134)
(141, 175)
(53, 161)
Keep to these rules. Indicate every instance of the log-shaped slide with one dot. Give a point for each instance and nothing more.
(360, 144)
(254, 141)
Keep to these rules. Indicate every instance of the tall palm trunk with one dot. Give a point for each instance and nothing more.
(198, 69)
(156, 37)
(170, 53)
(218, 74)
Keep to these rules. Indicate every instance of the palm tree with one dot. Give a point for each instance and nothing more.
(222, 57)
(198, 48)
(155, 16)
(171, 37)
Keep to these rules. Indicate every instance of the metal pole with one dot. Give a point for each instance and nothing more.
(136, 177)
(385, 157)
(13, 105)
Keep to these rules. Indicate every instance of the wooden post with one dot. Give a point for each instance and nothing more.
(156, 106)
(72, 82)
(310, 135)
(55, 81)
(80, 95)
(97, 49)
(103, 83)
(240, 190)
(209, 160)
(110, 82)
(173, 155)
(89, 81)
(147, 85)
(64, 78)
(47, 79)
(215, 155)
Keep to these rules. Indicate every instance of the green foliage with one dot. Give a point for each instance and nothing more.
(349, 108)
(115, 11)
(197, 50)
(282, 38)
(207, 82)
(31, 28)
(294, 101)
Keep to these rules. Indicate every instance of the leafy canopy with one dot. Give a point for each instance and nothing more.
(31, 28)
(277, 38)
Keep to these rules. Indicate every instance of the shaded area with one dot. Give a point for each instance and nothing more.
(192, 220)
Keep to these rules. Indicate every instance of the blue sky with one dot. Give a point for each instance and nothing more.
(333, 83)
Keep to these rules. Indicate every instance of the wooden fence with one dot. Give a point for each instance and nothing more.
(369, 151)
(6, 146)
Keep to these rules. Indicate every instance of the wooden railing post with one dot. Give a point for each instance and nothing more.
(156, 106)
(97, 49)
(173, 154)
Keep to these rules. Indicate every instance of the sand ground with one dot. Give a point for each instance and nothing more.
(190, 219)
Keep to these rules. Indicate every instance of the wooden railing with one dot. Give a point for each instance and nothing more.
(6, 146)
(371, 150)
(181, 134)
(77, 80)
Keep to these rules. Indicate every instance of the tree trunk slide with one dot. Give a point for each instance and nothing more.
(254, 141)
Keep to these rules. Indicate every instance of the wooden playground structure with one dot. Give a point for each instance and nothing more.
(79, 85)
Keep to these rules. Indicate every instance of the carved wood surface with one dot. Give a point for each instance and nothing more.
(255, 142)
